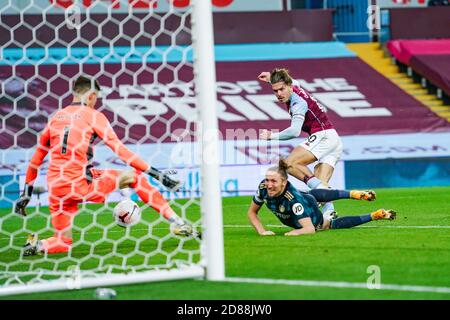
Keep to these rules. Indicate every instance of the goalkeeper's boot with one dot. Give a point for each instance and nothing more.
(368, 195)
(33, 246)
(383, 214)
(185, 230)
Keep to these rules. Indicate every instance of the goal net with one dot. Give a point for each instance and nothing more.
(155, 64)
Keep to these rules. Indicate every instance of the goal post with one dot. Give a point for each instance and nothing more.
(204, 70)
(155, 62)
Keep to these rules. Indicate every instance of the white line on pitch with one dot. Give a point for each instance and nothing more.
(407, 227)
(381, 227)
(336, 284)
(269, 225)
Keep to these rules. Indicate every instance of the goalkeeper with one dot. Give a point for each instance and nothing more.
(299, 210)
(71, 178)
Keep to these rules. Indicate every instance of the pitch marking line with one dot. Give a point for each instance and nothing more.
(380, 227)
(336, 284)
(269, 225)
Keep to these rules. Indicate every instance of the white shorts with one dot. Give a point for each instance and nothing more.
(325, 145)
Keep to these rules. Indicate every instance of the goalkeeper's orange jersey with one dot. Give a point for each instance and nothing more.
(68, 137)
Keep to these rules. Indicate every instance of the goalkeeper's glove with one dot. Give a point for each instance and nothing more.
(165, 179)
(23, 201)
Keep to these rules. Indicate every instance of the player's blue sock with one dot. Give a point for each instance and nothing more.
(325, 195)
(349, 222)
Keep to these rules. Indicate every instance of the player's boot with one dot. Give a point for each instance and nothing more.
(368, 195)
(383, 214)
(33, 246)
(185, 230)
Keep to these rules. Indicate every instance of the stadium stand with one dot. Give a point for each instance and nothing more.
(434, 68)
(239, 58)
(404, 50)
(428, 60)
(429, 23)
(329, 70)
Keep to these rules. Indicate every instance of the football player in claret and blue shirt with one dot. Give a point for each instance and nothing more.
(299, 210)
(323, 144)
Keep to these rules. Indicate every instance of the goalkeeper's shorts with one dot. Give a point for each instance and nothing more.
(65, 199)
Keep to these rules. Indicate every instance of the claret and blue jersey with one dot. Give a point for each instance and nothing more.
(290, 206)
(307, 115)
(298, 106)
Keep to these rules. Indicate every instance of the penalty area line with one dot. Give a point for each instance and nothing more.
(338, 284)
(249, 226)
(269, 225)
(373, 227)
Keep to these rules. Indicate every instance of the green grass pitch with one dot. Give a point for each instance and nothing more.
(412, 250)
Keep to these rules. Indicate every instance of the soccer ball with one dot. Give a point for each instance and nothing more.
(127, 213)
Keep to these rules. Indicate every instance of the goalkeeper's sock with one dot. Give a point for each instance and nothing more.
(174, 218)
(151, 196)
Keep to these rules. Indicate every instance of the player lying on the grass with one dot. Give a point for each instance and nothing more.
(71, 178)
(299, 210)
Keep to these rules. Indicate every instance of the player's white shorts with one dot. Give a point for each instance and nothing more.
(325, 145)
